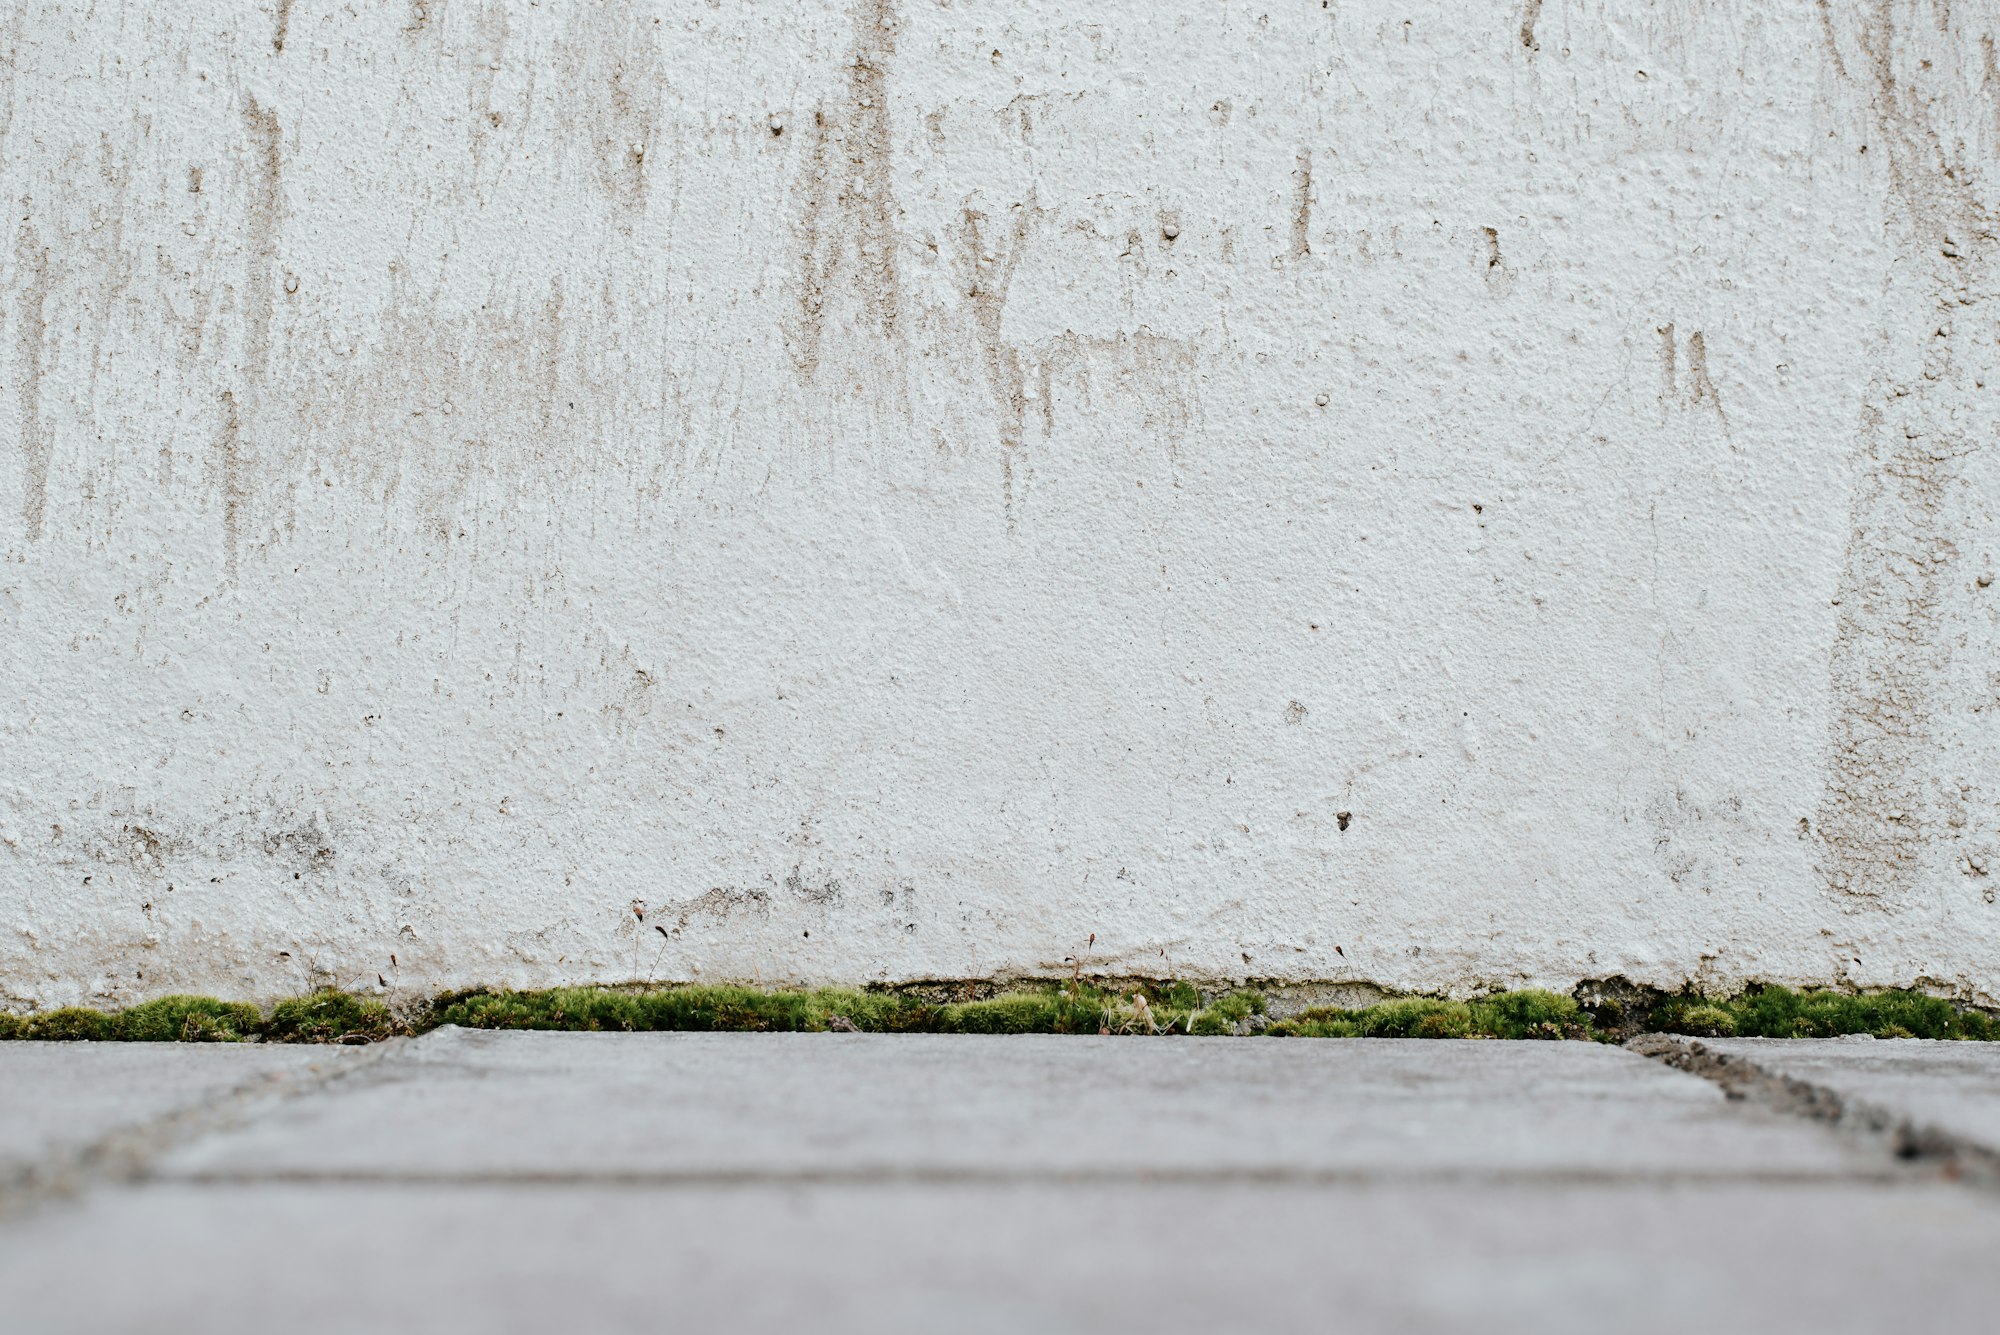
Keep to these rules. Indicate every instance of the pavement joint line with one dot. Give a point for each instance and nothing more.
(1872, 1126)
(944, 1176)
(126, 1154)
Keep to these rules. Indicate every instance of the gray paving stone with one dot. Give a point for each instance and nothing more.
(526, 1182)
(1954, 1087)
(56, 1098)
(725, 1106)
(1635, 1258)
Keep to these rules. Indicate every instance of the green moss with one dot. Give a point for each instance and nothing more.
(1069, 1008)
(1694, 1017)
(1416, 1017)
(1319, 1022)
(1530, 1013)
(186, 1020)
(1021, 1013)
(328, 1016)
(71, 1024)
(1073, 1007)
(1779, 1012)
(1406, 1017)
(1226, 1013)
(1051, 1010)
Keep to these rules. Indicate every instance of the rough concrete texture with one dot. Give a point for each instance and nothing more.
(501, 1182)
(1467, 494)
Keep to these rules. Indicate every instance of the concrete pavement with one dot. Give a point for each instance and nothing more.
(523, 1181)
(1949, 1089)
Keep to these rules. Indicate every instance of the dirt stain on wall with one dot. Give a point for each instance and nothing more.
(985, 276)
(1701, 389)
(1891, 659)
(847, 233)
(1302, 205)
(616, 71)
(264, 215)
(31, 335)
(229, 478)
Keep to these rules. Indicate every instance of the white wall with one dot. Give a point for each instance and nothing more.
(1444, 494)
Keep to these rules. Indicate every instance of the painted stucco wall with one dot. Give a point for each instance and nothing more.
(1443, 494)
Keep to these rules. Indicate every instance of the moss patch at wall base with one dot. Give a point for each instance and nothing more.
(1074, 1007)
(1530, 1013)
(1071, 1008)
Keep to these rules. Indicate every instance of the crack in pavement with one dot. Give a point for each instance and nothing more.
(1870, 1126)
(126, 1154)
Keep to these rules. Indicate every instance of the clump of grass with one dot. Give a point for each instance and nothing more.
(330, 1016)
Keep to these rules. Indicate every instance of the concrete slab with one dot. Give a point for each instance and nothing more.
(58, 1098)
(728, 1107)
(1953, 1087)
(514, 1182)
(1427, 1257)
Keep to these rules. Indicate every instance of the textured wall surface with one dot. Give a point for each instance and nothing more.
(1444, 494)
